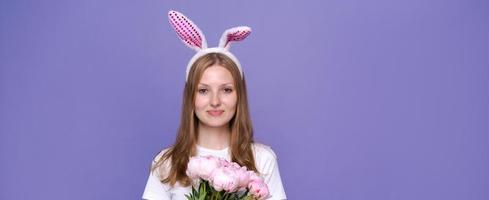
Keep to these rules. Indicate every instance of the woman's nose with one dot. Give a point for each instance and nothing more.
(215, 101)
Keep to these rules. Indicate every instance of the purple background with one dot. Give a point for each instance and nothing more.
(360, 100)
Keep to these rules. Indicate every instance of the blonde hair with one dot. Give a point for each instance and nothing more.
(177, 156)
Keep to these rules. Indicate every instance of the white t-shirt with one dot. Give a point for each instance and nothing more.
(266, 163)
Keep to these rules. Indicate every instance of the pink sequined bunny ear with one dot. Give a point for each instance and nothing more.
(234, 34)
(188, 32)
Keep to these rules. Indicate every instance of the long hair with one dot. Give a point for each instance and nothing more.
(177, 155)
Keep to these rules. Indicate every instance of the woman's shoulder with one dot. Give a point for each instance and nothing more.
(263, 152)
(265, 158)
(160, 154)
(161, 167)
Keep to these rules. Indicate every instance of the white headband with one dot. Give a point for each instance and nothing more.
(191, 36)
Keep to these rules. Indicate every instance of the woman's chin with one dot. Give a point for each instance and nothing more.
(215, 124)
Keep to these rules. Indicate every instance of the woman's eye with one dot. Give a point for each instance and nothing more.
(202, 91)
(228, 90)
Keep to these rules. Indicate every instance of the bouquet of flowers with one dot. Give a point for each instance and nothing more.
(220, 179)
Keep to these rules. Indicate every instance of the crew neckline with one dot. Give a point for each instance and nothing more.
(212, 150)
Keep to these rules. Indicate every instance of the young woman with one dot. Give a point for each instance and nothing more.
(215, 119)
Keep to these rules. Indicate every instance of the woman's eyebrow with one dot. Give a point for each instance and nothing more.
(220, 85)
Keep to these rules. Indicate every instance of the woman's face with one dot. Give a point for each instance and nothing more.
(215, 101)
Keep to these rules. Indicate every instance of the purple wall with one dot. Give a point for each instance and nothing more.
(360, 100)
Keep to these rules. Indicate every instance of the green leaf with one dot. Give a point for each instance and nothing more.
(202, 188)
(244, 194)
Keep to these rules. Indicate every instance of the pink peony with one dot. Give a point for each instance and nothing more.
(208, 165)
(221, 175)
(224, 178)
(255, 177)
(193, 167)
(243, 176)
(258, 189)
(202, 167)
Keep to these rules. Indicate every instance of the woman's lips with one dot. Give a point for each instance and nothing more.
(215, 112)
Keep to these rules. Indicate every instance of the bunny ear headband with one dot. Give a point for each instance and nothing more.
(191, 35)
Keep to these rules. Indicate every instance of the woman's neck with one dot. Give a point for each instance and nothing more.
(213, 137)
